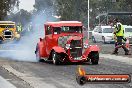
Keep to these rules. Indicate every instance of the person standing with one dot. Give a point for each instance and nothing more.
(119, 34)
(19, 28)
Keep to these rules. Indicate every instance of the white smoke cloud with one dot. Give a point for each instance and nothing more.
(24, 49)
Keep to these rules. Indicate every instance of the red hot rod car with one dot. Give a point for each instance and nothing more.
(63, 43)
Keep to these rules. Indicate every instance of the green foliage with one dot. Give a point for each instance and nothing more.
(72, 10)
(77, 9)
(43, 4)
(6, 6)
(22, 17)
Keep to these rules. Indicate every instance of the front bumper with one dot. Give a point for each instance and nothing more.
(81, 59)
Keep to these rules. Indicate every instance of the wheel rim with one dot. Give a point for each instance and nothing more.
(54, 61)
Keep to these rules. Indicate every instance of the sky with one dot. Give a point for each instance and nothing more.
(26, 4)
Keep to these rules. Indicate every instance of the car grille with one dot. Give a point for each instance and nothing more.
(7, 34)
(75, 43)
(76, 52)
(76, 48)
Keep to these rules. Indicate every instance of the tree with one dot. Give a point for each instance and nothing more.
(72, 10)
(6, 6)
(43, 4)
(77, 9)
(22, 17)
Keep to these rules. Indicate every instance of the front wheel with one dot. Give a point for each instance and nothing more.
(94, 56)
(55, 58)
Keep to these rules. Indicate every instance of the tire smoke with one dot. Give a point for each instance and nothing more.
(24, 49)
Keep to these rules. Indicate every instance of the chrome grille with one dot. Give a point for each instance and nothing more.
(75, 43)
(76, 48)
(76, 52)
(7, 34)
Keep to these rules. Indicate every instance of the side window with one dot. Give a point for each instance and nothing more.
(100, 30)
(48, 30)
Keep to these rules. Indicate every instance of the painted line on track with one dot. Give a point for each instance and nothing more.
(5, 84)
(34, 82)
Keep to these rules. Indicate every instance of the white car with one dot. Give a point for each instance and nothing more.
(103, 34)
(128, 33)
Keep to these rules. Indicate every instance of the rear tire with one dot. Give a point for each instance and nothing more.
(94, 56)
(55, 58)
(38, 58)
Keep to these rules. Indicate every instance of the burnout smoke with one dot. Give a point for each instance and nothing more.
(25, 48)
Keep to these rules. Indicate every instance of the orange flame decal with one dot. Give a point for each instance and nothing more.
(81, 71)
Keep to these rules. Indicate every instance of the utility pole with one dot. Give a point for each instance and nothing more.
(88, 19)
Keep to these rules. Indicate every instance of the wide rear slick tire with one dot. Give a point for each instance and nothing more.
(56, 58)
(38, 58)
(94, 56)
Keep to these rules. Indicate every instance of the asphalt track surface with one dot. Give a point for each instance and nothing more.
(47, 75)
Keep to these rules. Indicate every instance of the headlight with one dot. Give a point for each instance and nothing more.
(17, 36)
(85, 45)
(67, 46)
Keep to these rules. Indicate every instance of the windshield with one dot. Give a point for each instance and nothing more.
(72, 29)
(6, 26)
(128, 29)
(108, 30)
(67, 29)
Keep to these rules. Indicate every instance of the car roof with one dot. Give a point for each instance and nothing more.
(64, 23)
(7, 22)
